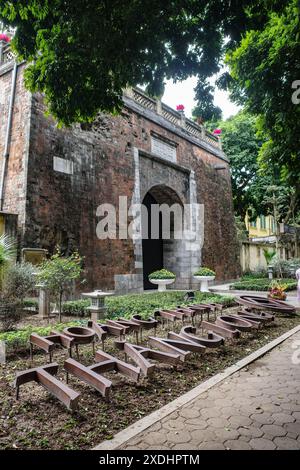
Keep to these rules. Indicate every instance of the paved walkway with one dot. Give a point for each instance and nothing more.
(256, 408)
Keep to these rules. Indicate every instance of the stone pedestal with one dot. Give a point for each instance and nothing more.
(97, 308)
(44, 302)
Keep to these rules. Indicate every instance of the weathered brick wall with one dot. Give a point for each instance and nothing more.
(15, 181)
(61, 208)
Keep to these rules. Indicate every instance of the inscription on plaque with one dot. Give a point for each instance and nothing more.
(62, 165)
(163, 149)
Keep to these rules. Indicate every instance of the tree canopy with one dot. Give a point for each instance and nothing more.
(83, 54)
(263, 69)
(257, 189)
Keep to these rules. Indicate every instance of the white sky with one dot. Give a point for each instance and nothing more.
(183, 93)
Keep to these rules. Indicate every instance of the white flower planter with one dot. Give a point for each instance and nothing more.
(162, 283)
(204, 282)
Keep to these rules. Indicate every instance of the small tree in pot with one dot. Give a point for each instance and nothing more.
(162, 278)
(204, 275)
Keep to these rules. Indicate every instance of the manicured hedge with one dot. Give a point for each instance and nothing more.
(143, 304)
(146, 304)
(261, 284)
(75, 307)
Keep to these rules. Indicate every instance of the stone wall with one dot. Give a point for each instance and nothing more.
(70, 172)
(15, 181)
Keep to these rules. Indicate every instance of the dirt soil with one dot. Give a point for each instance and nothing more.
(39, 421)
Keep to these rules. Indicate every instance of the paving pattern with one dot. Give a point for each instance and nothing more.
(256, 408)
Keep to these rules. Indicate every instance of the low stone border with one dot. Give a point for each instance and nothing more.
(144, 423)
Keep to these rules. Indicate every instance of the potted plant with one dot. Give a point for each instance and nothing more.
(277, 291)
(204, 275)
(162, 278)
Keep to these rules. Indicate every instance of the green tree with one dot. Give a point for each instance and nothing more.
(57, 274)
(262, 71)
(83, 53)
(257, 188)
(19, 280)
(269, 255)
(241, 144)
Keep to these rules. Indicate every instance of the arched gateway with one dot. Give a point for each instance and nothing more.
(163, 215)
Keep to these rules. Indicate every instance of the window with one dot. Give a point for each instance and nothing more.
(263, 224)
(273, 225)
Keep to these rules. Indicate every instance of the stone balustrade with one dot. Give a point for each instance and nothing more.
(6, 54)
(176, 118)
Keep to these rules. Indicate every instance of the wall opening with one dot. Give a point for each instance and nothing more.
(160, 252)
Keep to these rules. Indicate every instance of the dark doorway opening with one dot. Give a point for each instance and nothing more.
(152, 248)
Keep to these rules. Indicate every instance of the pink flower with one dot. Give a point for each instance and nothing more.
(4, 37)
(218, 131)
(180, 107)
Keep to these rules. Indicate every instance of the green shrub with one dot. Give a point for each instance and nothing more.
(259, 274)
(19, 280)
(261, 284)
(118, 306)
(286, 268)
(162, 274)
(146, 304)
(30, 303)
(204, 272)
(19, 340)
(75, 307)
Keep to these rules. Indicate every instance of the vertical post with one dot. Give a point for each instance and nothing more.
(44, 302)
(158, 106)
(1, 51)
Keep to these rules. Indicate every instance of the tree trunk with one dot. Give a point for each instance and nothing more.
(59, 307)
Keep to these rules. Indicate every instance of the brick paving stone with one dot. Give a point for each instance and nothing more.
(250, 431)
(238, 420)
(172, 424)
(189, 412)
(177, 437)
(263, 418)
(197, 423)
(237, 445)
(284, 443)
(153, 438)
(282, 418)
(255, 408)
(262, 444)
(273, 430)
(217, 422)
(293, 427)
(210, 413)
(226, 434)
(186, 446)
(211, 446)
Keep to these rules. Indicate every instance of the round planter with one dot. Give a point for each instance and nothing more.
(162, 283)
(80, 334)
(204, 282)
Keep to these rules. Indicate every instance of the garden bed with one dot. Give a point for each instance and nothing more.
(39, 421)
(118, 306)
